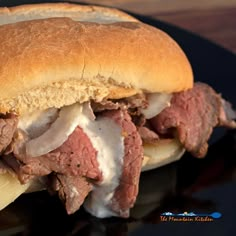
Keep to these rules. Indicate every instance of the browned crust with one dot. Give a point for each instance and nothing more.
(130, 55)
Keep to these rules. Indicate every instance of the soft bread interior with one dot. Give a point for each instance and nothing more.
(10, 189)
(64, 93)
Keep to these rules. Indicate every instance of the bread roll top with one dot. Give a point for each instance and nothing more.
(58, 61)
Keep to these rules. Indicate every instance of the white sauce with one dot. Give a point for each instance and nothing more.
(107, 139)
(105, 136)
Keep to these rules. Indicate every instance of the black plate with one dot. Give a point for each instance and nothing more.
(202, 186)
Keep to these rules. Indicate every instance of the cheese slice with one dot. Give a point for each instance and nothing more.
(10, 189)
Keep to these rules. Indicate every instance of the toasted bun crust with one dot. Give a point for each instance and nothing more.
(59, 61)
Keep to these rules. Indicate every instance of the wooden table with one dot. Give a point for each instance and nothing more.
(212, 19)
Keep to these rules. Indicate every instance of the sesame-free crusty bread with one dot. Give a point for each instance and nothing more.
(57, 61)
(53, 55)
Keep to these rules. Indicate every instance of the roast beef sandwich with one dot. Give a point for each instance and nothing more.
(89, 98)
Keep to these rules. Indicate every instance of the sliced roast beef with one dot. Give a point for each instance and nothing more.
(193, 114)
(147, 135)
(74, 166)
(104, 105)
(227, 115)
(134, 102)
(139, 120)
(72, 190)
(8, 125)
(126, 193)
(11, 164)
(75, 157)
(4, 168)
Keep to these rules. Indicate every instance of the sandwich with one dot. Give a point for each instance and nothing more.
(89, 98)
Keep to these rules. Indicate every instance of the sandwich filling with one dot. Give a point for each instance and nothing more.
(92, 153)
